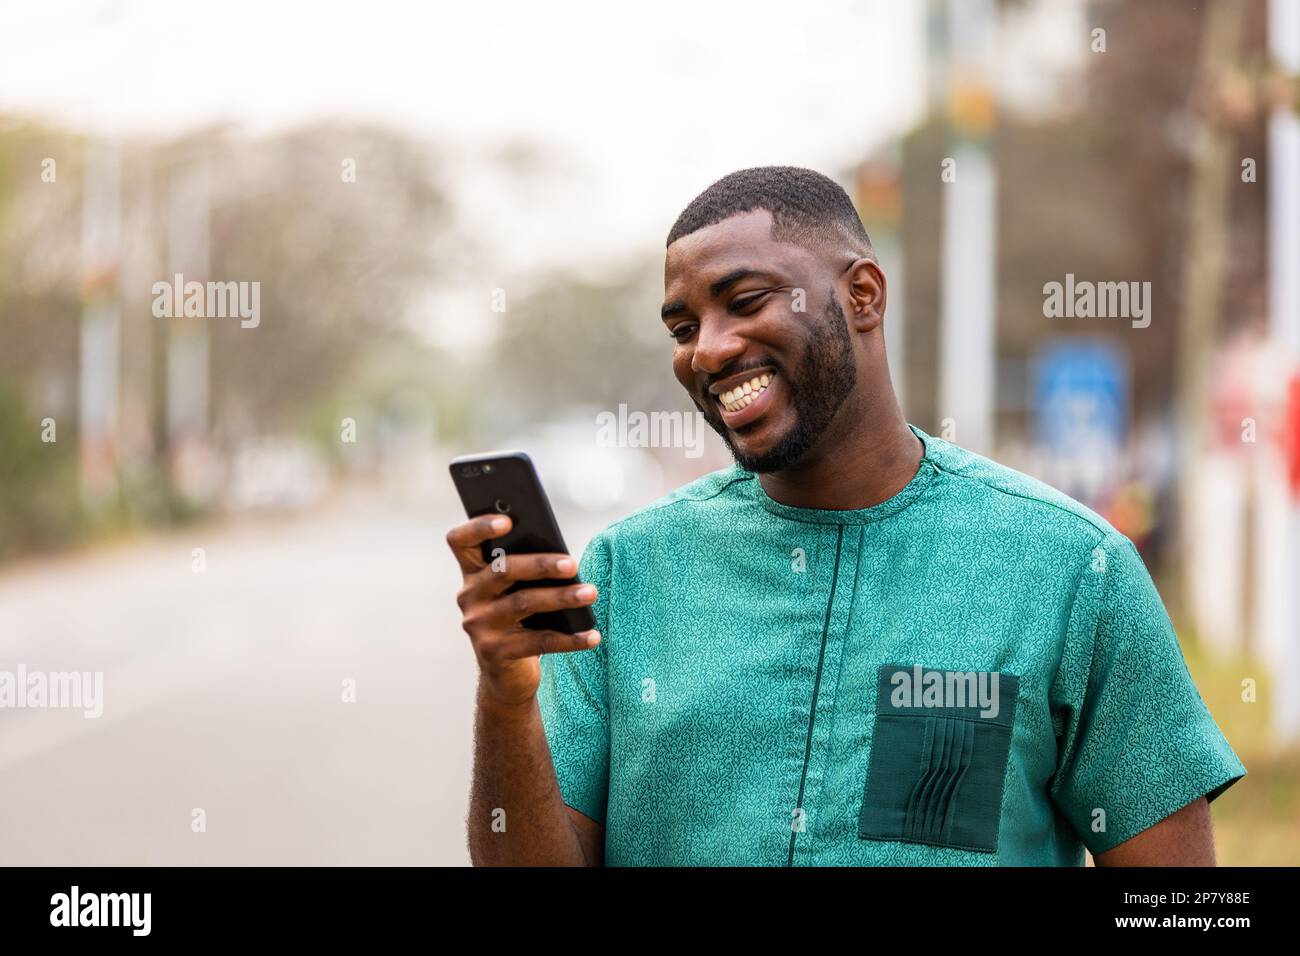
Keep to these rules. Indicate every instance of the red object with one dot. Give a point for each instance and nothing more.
(1291, 435)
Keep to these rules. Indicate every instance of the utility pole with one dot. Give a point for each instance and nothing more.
(968, 313)
(188, 254)
(101, 322)
(1207, 205)
(878, 194)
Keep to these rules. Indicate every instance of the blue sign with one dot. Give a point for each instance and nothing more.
(1080, 397)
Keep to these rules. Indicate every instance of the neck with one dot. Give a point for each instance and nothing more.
(865, 457)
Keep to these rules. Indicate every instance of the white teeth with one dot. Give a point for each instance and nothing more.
(745, 393)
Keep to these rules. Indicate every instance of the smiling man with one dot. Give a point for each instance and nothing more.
(859, 645)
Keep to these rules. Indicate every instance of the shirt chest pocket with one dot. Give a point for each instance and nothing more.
(939, 754)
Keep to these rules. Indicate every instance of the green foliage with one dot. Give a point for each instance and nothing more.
(339, 261)
(571, 341)
(39, 508)
(1257, 821)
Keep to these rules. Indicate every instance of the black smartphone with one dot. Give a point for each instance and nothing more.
(505, 482)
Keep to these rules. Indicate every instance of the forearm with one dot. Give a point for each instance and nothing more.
(517, 815)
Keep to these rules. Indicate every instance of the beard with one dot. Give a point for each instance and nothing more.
(825, 378)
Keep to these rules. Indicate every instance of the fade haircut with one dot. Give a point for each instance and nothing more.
(807, 208)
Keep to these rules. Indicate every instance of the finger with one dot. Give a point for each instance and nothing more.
(465, 539)
(527, 643)
(509, 609)
(497, 576)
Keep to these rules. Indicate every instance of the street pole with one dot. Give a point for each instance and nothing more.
(99, 357)
(968, 320)
(878, 194)
(188, 254)
(1207, 207)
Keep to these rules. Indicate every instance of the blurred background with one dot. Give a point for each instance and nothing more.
(454, 220)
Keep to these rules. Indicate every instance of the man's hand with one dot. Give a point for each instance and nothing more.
(509, 654)
(1185, 838)
(517, 814)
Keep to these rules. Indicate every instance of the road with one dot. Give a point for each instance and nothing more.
(224, 692)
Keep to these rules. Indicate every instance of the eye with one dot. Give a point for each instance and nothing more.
(740, 305)
(681, 331)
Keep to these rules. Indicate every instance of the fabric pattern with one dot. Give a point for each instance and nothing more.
(728, 715)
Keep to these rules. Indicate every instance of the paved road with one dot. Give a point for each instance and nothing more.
(223, 691)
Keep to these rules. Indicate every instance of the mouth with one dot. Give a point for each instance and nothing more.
(744, 403)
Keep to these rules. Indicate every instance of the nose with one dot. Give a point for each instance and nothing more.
(716, 347)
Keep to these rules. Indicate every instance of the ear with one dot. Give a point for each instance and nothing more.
(867, 294)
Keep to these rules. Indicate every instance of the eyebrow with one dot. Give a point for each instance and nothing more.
(715, 289)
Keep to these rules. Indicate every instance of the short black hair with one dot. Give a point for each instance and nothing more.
(807, 208)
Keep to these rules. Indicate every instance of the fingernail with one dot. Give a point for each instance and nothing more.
(566, 566)
(593, 638)
(500, 524)
(584, 592)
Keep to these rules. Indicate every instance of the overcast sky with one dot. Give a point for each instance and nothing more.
(640, 107)
(649, 102)
(635, 107)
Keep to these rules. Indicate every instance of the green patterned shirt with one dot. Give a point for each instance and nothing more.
(977, 671)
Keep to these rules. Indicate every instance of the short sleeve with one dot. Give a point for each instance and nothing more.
(1136, 742)
(574, 703)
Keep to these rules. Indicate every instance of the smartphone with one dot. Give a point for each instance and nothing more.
(505, 482)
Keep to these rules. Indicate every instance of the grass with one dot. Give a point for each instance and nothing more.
(1257, 821)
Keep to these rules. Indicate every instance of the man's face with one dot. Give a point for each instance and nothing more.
(730, 302)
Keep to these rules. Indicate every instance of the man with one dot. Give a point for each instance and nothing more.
(859, 645)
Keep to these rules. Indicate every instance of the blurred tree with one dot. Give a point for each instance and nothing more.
(340, 261)
(571, 341)
(338, 224)
(37, 481)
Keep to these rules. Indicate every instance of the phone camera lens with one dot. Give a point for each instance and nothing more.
(502, 506)
(487, 469)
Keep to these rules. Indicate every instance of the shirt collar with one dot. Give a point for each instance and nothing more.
(890, 506)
